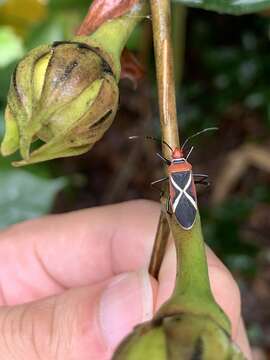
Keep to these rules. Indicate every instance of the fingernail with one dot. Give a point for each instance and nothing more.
(126, 302)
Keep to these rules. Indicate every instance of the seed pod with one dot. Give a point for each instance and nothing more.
(178, 337)
(65, 95)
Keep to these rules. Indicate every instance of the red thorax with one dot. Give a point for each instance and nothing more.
(179, 163)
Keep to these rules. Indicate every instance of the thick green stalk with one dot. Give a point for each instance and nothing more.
(112, 36)
(192, 292)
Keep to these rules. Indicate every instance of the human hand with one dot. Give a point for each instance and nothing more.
(73, 285)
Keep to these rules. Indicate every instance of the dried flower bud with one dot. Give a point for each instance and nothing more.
(64, 95)
(178, 337)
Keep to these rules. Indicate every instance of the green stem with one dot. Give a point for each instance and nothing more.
(112, 36)
(192, 292)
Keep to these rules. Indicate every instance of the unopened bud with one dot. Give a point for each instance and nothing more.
(178, 337)
(64, 95)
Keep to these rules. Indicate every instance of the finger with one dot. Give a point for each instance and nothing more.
(45, 256)
(224, 289)
(82, 323)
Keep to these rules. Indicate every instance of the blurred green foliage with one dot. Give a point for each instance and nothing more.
(11, 46)
(25, 196)
(222, 227)
(235, 67)
(234, 7)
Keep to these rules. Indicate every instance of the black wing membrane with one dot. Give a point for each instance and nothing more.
(185, 213)
(186, 209)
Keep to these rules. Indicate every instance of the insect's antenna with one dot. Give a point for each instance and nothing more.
(189, 153)
(196, 134)
(151, 138)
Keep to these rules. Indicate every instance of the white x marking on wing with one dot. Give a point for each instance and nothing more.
(183, 192)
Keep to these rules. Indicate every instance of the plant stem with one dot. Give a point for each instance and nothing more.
(192, 293)
(161, 240)
(161, 19)
(161, 22)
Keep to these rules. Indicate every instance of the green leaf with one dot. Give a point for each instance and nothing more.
(25, 196)
(11, 46)
(233, 7)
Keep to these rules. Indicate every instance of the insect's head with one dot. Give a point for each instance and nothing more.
(177, 154)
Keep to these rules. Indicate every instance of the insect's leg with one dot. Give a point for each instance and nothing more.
(154, 185)
(201, 176)
(159, 181)
(201, 179)
(189, 153)
(167, 162)
(168, 206)
(202, 182)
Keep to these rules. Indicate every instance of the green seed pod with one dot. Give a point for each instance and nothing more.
(65, 95)
(178, 337)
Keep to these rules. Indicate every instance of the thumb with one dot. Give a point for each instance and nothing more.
(80, 323)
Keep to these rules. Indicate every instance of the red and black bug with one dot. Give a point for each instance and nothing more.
(182, 200)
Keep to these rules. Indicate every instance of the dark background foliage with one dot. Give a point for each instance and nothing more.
(226, 72)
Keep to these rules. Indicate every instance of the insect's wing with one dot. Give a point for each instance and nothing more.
(183, 198)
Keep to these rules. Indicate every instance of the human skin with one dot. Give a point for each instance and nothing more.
(73, 285)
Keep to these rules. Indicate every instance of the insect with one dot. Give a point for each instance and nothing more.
(182, 200)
